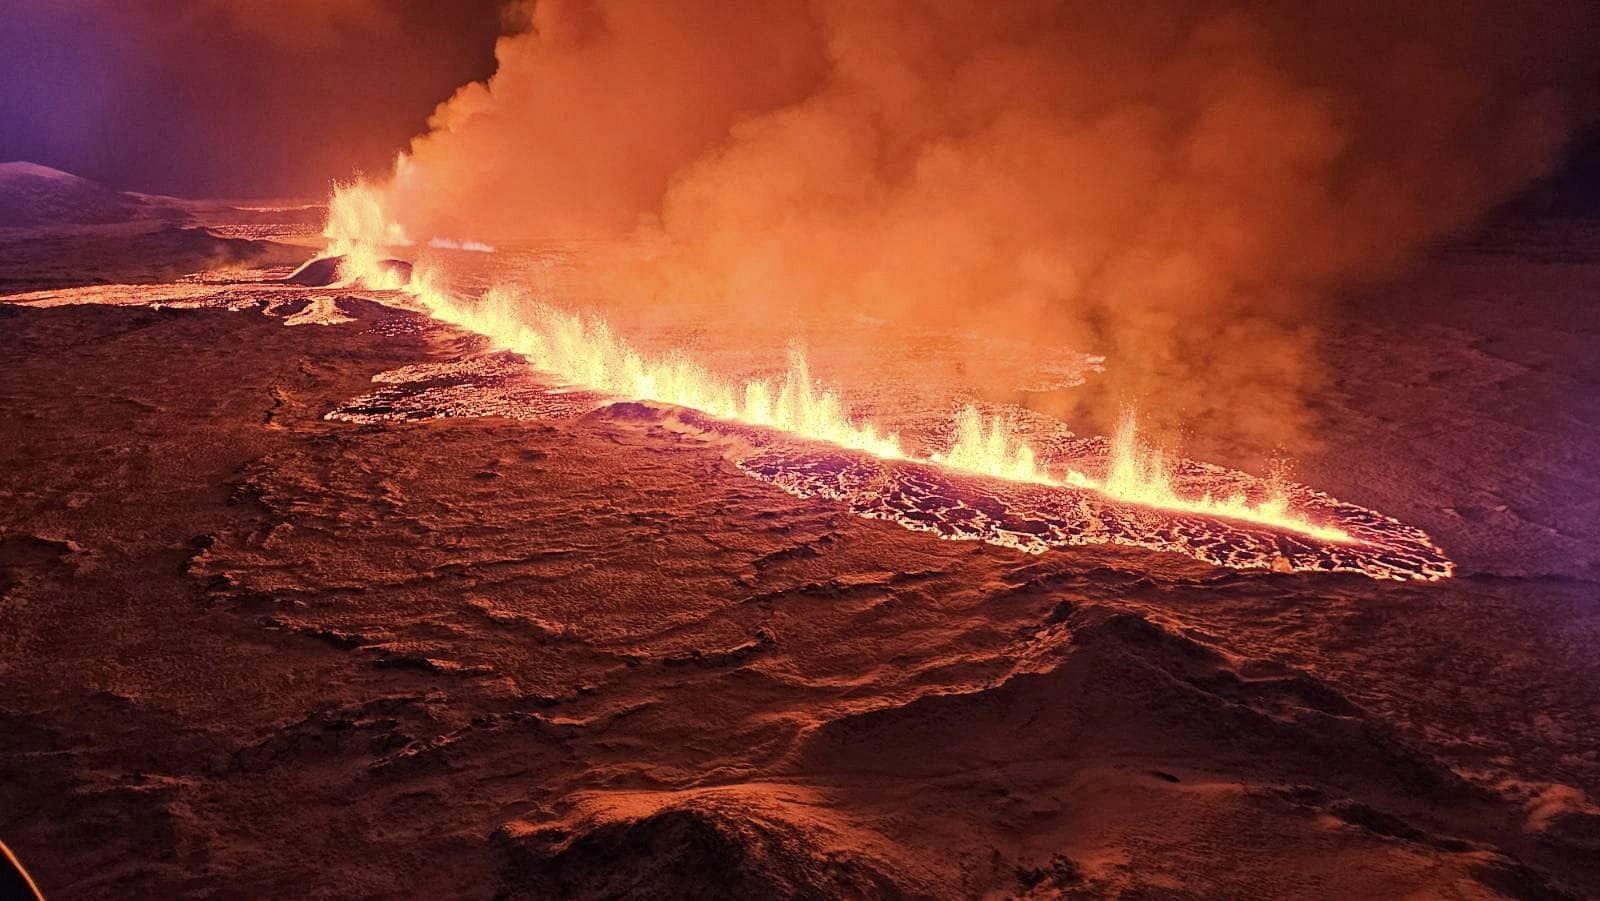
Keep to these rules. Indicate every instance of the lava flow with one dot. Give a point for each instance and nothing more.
(582, 351)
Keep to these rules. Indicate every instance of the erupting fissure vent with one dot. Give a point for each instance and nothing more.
(582, 351)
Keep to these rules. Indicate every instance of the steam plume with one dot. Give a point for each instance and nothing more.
(1171, 184)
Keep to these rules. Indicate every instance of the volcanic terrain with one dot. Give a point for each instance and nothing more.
(303, 592)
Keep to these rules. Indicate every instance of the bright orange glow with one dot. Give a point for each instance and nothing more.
(360, 229)
(1135, 473)
(583, 351)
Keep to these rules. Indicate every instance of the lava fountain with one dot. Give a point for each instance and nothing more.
(582, 351)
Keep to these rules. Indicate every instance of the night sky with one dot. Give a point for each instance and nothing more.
(231, 99)
(274, 98)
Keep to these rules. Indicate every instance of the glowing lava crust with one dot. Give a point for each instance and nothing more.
(990, 485)
(1234, 521)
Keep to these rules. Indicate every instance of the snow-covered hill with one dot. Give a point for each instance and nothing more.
(34, 195)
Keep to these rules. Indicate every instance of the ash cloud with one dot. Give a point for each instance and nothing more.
(1174, 185)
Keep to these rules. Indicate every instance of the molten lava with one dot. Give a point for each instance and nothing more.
(1135, 474)
(583, 351)
(361, 232)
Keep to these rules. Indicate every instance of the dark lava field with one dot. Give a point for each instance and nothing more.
(554, 648)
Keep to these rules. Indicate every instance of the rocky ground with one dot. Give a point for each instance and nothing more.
(246, 650)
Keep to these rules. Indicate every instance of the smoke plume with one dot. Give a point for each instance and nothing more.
(1173, 185)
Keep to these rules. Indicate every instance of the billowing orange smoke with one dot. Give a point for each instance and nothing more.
(1169, 184)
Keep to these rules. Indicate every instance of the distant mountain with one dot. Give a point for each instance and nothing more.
(35, 195)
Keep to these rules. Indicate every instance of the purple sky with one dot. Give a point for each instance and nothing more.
(228, 98)
(261, 98)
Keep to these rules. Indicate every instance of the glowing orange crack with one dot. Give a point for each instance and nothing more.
(583, 351)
